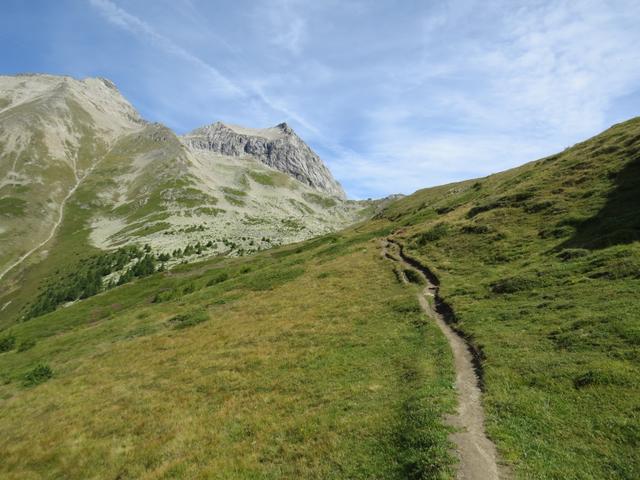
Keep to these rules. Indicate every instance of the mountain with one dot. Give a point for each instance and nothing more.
(82, 172)
(315, 360)
(278, 147)
(54, 131)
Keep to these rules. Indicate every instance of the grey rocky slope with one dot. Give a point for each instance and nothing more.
(81, 171)
(278, 147)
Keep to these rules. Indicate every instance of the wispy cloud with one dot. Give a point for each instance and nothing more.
(123, 19)
(226, 84)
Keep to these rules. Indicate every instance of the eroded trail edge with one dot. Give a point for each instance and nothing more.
(477, 454)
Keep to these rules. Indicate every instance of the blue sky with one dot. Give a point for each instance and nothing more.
(393, 95)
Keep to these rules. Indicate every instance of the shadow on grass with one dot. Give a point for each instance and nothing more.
(618, 222)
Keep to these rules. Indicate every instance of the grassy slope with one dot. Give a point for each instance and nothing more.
(315, 362)
(543, 273)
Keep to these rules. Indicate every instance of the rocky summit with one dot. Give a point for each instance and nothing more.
(278, 147)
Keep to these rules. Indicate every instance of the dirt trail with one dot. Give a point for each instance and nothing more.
(60, 216)
(477, 454)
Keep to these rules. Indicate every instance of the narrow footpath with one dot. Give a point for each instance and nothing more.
(476, 453)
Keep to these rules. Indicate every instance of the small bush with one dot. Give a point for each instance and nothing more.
(475, 229)
(165, 295)
(443, 210)
(538, 207)
(513, 285)
(40, 374)
(7, 343)
(433, 234)
(481, 208)
(189, 319)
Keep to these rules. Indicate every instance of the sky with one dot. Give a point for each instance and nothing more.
(393, 95)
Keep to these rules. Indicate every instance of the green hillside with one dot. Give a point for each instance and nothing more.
(313, 361)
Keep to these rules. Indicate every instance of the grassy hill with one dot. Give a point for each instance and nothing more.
(313, 361)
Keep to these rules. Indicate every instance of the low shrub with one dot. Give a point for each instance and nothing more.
(443, 210)
(513, 285)
(538, 207)
(481, 208)
(40, 374)
(475, 229)
(435, 233)
(7, 343)
(221, 277)
(165, 295)
(189, 319)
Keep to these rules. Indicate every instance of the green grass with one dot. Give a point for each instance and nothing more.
(313, 361)
(271, 179)
(12, 207)
(541, 265)
(325, 202)
(294, 366)
(234, 191)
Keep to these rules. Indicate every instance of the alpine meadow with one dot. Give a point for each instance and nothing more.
(180, 303)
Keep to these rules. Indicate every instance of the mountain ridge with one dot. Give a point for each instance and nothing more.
(278, 147)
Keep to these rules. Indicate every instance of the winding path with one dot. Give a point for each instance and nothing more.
(477, 454)
(55, 226)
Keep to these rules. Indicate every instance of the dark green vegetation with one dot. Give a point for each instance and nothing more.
(86, 278)
(40, 374)
(313, 361)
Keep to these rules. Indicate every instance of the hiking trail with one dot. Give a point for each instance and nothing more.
(476, 453)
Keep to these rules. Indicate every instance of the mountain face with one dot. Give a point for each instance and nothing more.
(54, 131)
(82, 172)
(278, 147)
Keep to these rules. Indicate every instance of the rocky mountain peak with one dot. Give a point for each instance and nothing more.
(278, 147)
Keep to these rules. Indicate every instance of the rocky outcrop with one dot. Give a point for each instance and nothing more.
(278, 147)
